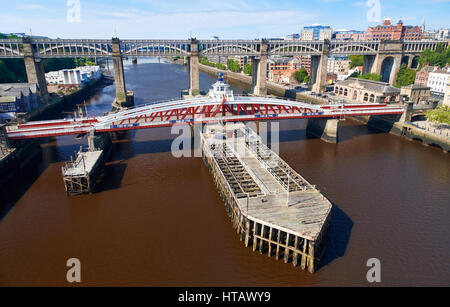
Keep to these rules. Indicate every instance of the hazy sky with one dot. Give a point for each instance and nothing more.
(240, 19)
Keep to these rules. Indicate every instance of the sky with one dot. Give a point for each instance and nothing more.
(227, 19)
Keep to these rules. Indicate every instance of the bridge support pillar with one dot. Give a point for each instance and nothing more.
(119, 75)
(194, 83)
(376, 66)
(259, 73)
(408, 112)
(34, 68)
(326, 129)
(368, 62)
(395, 68)
(319, 69)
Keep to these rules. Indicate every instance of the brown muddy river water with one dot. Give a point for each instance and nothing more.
(159, 221)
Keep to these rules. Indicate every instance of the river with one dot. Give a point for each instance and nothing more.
(159, 221)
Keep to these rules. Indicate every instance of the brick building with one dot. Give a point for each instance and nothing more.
(388, 31)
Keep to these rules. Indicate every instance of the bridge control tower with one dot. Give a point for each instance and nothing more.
(221, 89)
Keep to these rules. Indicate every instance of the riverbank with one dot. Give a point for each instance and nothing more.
(392, 125)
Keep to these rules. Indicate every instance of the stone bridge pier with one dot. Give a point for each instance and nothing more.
(193, 63)
(259, 71)
(319, 69)
(323, 128)
(34, 68)
(119, 75)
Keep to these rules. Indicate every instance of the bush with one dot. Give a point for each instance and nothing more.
(440, 115)
(373, 77)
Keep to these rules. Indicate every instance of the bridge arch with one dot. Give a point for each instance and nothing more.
(415, 62)
(240, 48)
(152, 47)
(9, 51)
(346, 49)
(67, 50)
(309, 48)
(405, 60)
(386, 68)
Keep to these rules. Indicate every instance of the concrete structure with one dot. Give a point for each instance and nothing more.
(446, 101)
(194, 83)
(438, 80)
(259, 72)
(388, 31)
(119, 76)
(367, 91)
(34, 67)
(274, 209)
(418, 94)
(319, 69)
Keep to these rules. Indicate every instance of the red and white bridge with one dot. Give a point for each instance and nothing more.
(196, 110)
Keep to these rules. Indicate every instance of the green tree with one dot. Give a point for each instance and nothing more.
(356, 60)
(248, 69)
(440, 115)
(405, 76)
(300, 75)
(440, 57)
(354, 75)
(373, 77)
(233, 65)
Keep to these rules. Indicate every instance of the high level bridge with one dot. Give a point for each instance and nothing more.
(382, 57)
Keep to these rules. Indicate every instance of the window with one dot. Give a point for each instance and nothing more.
(366, 97)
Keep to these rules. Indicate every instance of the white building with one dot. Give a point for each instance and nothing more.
(338, 65)
(77, 76)
(343, 77)
(438, 80)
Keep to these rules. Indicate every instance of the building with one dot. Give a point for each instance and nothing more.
(350, 35)
(316, 32)
(423, 75)
(350, 72)
(305, 61)
(416, 93)
(388, 31)
(441, 34)
(438, 80)
(446, 101)
(338, 65)
(367, 91)
(73, 77)
(281, 69)
(18, 97)
(293, 36)
(243, 60)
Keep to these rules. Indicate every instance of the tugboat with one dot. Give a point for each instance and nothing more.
(221, 90)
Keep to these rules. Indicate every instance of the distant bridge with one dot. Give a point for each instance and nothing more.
(381, 57)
